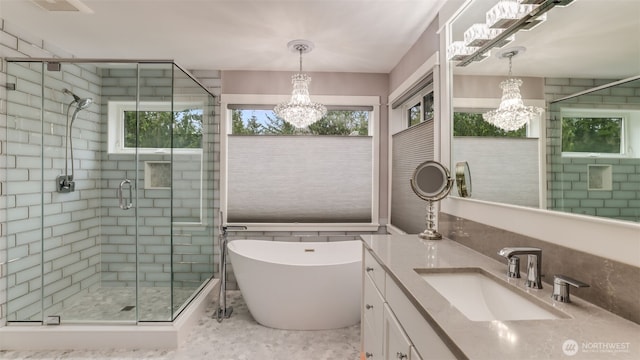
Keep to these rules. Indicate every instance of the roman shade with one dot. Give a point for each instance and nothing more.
(299, 179)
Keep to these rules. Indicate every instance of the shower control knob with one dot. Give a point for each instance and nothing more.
(401, 356)
(369, 269)
(368, 306)
(368, 355)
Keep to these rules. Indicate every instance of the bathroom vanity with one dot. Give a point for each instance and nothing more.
(420, 301)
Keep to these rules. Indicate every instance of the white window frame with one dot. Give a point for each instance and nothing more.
(257, 99)
(599, 113)
(116, 109)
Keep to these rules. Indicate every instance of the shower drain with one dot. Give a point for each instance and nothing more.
(127, 308)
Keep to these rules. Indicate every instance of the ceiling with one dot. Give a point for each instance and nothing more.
(349, 35)
(589, 38)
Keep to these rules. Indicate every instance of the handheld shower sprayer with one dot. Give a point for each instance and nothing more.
(65, 183)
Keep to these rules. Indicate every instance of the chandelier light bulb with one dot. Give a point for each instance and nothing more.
(512, 114)
(300, 111)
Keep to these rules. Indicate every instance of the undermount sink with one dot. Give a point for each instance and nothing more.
(481, 297)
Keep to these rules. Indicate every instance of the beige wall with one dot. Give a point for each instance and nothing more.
(473, 86)
(322, 83)
(427, 45)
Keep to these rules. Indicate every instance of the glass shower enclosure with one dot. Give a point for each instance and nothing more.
(109, 190)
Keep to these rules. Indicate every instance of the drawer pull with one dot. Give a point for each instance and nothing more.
(368, 355)
(368, 306)
(369, 269)
(401, 356)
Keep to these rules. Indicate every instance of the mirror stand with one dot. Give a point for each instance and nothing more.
(430, 233)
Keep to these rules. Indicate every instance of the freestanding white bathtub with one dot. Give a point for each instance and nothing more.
(299, 285)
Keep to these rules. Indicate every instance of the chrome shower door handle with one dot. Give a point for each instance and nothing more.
(125, 205)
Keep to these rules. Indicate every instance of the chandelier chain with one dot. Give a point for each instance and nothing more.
(300, 51)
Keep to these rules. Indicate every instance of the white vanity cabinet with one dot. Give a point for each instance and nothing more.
(392, 327)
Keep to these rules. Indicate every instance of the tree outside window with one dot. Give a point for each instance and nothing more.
(336, 122)
(592, 134)
(472, 124)
(163, 129)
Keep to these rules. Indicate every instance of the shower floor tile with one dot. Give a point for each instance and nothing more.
(236, 338)
(118, 304)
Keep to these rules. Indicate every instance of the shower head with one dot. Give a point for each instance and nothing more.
(83, 103)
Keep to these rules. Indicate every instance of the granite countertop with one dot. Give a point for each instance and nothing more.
(598, 333)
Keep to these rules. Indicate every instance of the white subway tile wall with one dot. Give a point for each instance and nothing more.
(567, 177)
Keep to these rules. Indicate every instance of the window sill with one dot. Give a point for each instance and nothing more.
(307, 226)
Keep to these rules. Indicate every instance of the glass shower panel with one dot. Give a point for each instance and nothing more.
(193, 228)
(154, 123)
(24, 166)
(70, 189)
(116, 299)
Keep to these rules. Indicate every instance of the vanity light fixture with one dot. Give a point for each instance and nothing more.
(300, 111)
(512, 114)
(507, 12)
(503, 20)
(458, 51)
(480, 34)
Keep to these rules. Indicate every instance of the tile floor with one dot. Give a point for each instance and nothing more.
(108, 304)
(236, 338)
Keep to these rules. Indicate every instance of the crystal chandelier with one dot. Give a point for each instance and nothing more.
(300, 111)
(512, 114)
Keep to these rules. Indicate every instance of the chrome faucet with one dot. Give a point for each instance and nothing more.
(561, 287)
(534, 264)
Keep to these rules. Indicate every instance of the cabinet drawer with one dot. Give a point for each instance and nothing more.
(423, 337)
(375, 271)
(373, 309)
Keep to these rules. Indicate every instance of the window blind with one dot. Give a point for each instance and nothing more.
(411, 147)
(426, 81)
(304, 179)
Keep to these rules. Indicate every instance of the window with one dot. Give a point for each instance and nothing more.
(471, 123)
(152, 127)
(413, 114)
(322, 177)
(254, 121)
(593, 133)
(420, 108)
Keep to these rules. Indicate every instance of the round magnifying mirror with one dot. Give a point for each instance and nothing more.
(431, 181)
(463, 179)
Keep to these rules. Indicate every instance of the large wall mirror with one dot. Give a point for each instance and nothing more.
(582, 155)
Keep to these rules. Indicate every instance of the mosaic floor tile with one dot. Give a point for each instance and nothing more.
(236, 338)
